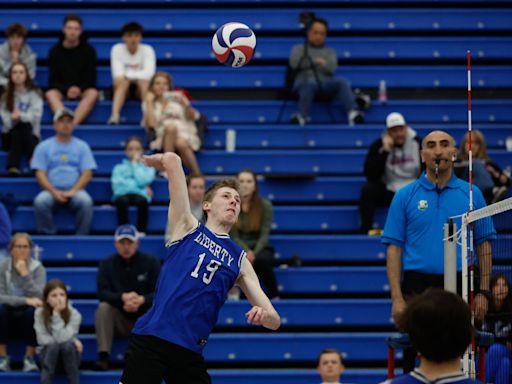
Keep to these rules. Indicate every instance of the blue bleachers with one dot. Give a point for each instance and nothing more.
(272, 77)
(278, 48)
(291, 280)
(204, 20)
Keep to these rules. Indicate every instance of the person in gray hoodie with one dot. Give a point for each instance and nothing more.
(22, 280)
(21, 109)
(57, 324)
(15, 50)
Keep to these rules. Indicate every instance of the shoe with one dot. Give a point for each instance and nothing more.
(363, 100)
(113, 120)
(298, 119)
(355, 117)
(101, 366)
(29, 364)
(13, 171)
(499, 193)
(5, 364)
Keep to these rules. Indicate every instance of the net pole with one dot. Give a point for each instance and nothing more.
(465, 270)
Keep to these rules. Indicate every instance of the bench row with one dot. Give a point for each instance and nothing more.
(267, 111)
(368, 76)
(278, 136)
(270, 162)
(274, 20)
(278, 48)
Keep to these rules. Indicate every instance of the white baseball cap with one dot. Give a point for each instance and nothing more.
(395, 119)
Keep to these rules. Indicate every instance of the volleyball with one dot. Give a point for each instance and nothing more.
(233, 44)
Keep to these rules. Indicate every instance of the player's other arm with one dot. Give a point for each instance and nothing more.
(262, 312)
(180, 216)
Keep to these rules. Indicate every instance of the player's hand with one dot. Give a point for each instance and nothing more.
(480, 307)
(387, 142)
(154, 161)
(397, 309)
(256, 315)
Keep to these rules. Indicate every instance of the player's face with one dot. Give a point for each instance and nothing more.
(225, 205)
(500, 290)
(126, 248)
(196, 190)
(72, 31)
(438, 146)
(21, 249)
(330, 367)
(132, 40)
(247, 184)
(317, 34)
(398, 134)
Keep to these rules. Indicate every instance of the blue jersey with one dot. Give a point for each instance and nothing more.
(416, 377)
(194, 281)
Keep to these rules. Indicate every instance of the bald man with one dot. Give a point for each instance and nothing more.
(414, 229)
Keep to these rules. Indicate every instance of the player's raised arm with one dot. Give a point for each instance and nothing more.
(179, 216)
(262, 311)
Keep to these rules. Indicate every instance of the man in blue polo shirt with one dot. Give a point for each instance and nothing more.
(414, 228)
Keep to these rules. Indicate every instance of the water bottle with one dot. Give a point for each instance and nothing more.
(383, 92)
(230, 140)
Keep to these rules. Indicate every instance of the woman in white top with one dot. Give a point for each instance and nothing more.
(169, 118)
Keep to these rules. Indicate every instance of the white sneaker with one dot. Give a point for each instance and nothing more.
(355, 117)
(5, 364)
(29, 364)
(113, 120)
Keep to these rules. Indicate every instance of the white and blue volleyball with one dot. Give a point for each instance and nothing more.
(233, 44)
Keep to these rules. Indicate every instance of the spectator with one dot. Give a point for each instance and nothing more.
(498, 321)
(252, 229)
(439, 327)
(63, 166)
(414, 230)
(72, 70)
(314, 67)
(57, 324)
(131, 63)
(131, 182)
(15, 50)
(22, 280)
(21, 111)
(196, 187)
(5, 232)
(501, 181)
(169, 117)
(330, 366)
(126, 284)
(392, 161)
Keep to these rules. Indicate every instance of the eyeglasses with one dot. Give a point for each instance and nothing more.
(21, 246)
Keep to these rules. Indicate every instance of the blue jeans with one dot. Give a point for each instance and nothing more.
(497, 364)
(338, 88)
(81, 203)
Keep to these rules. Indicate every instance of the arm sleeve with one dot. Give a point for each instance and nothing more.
(296, 55)
(375, 162)
(5, 297)
(30, 62)
(116, 61)
(33, 284)
(87, 160)
(35, 112)
(266, 225)
(54, 80)
(63, 332)
(105, 292)
(331, 62)
(89, 76)
(149, 67)
(44, 337)
(39, 160)
(394, 229)
(6, 116)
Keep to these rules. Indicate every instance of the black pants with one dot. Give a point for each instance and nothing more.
(373, 195)
(17, 323)
(415, 283)
(264, 268)
(123, 202)
(19, 141)
(150, 359)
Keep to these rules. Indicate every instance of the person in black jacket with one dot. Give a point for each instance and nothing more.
(126, 284)
(392, 162)
(72, 70)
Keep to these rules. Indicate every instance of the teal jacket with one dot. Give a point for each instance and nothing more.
(133, 178)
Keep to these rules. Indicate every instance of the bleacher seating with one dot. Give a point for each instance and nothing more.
(333, 282)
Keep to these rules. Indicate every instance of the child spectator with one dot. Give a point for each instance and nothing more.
(72, 70)
(169, 117)
(132, 63)
(56, 324)
(252, 229)
(22, 280)
(131, 182)
(21, 111)
(479, 148)
(15, 50)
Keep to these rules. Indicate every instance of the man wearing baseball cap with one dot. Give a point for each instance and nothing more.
(125, 283)
(392, 162)
(63, 165)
